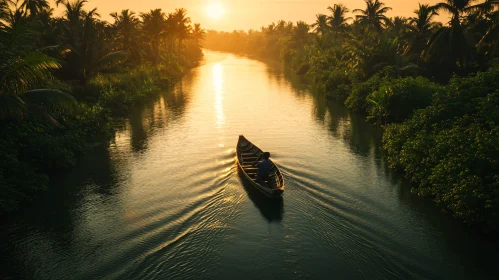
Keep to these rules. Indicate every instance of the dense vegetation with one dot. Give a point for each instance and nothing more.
(63, 79)
(433, 86)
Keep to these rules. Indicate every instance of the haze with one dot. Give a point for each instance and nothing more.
(244, 14)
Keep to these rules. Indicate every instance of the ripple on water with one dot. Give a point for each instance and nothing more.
(191, 247)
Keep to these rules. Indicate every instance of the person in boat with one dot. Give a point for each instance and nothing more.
(264, 168)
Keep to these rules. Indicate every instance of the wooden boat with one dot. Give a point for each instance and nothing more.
(247, 154)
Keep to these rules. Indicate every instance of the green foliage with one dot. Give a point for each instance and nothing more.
(357, 100)
(450, 149)
(379, 106)
(23, 69)
(336, 84)
(31, 151)
(397, 99)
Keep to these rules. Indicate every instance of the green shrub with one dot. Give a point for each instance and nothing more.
(357, 100)
(397, 99)
(335, 83)
(451, 148)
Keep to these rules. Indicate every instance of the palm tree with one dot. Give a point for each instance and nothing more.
(12, 14)
(198, 33)
(490, 40)
(423, 23)
(84, 36)
(454, 44)
(370, 56)
(126, 24)
(398, 27)
(300, 33)
(283, 28)
(420, 28)
(35, 6)
(374, 15)
(456, 8)
(338, 20)
(321, 24)
(74, 18)
(182, 28)
(153, 27)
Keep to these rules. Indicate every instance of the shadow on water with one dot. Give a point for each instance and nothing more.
(271, 209)
(95, 174)
(51, 221)
(157, 113)
(138, 133)
(176, 100)
(54, 217)
(350, 127)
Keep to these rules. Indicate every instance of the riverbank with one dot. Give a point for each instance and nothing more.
(442, 136)
(34, 151)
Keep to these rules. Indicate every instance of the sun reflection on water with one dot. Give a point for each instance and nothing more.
(218, 80)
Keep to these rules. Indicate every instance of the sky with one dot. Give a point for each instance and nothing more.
(246, 14)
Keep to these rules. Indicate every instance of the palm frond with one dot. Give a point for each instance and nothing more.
(51, 99)
(4, 12)
(488, 6)
(17, 39)
(383, 10)
(111, 60)
(22, 73)
(445, 7)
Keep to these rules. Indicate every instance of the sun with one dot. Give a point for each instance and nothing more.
(215, 10)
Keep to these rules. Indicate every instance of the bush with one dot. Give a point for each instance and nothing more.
(335, 84)
(397, 99)
(451, 148)
(357, 100)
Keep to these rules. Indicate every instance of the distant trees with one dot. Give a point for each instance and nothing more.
(374, 15)
(321, 25)
(420, 28)
(181, 25)
(468, 42)
(153, 27)
(338, 21)
(126, 24)
(198, 34)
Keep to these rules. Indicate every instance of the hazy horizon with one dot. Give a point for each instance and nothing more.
(245, 15)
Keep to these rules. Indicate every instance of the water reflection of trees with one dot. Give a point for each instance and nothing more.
(158, 113)
(58, 211)
(271, 209)
(53, 219)
(353, 129)
(361, 136)
(56, 215)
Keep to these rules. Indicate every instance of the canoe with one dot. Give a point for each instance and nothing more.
(247, 154)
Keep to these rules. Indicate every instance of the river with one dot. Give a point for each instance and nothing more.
(166, 200)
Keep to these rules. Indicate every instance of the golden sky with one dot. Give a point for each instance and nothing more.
(246, 14)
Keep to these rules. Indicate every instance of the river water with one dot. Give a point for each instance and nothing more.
(166, 199)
